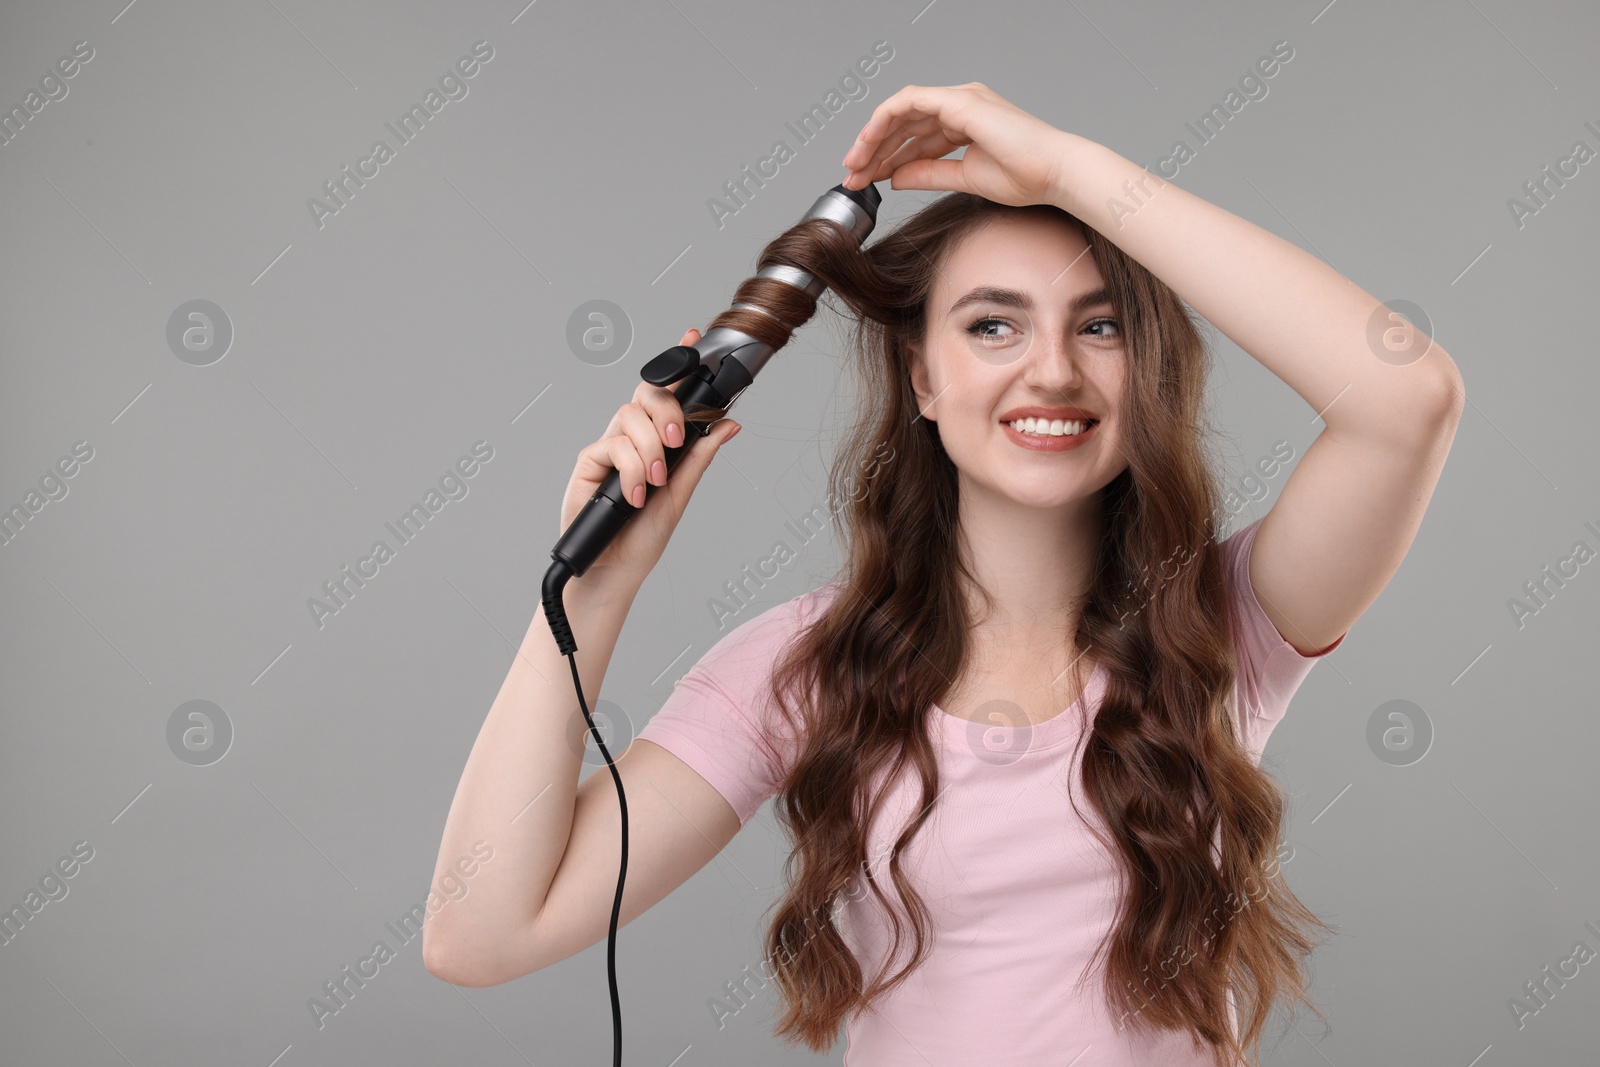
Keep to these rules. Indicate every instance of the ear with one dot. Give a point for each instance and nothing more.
(919, 381)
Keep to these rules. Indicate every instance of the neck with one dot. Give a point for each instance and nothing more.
(1033, 562)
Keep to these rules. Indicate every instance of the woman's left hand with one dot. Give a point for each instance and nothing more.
(1011, 157)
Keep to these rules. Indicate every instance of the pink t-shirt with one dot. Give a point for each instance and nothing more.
(1020, 891)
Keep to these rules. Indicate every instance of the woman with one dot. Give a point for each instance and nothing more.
(1032, 525)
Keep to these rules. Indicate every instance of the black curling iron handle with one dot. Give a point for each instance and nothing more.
(608, 510)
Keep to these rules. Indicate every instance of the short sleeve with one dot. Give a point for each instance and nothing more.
(1270, 669)
(721, 719)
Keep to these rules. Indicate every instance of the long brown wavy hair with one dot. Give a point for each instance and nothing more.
(1194, 823)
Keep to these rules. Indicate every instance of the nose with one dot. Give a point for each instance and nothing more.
(1053, 366)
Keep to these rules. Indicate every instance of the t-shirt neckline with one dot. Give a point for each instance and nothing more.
(1024, 737)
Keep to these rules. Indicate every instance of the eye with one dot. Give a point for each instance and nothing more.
(1106, 322)
(980, 328)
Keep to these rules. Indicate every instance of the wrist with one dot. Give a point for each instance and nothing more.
(1078, 163)
(593, 606)
(600, 588)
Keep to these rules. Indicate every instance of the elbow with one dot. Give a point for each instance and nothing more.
(447, 961)
(1449, 394)
(443, 963)
(1420, 413)
(1426, 409)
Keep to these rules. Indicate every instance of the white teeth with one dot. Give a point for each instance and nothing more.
(1058, 428)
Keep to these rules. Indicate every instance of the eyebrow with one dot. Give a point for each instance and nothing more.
(994, 294)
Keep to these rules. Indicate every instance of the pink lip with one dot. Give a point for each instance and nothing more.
(1049, 444)
(1036, 412)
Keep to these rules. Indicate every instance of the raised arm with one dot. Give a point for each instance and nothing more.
(542, 849)
(1389, 398)
(1390, 406)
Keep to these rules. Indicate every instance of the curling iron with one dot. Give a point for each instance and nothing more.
(714, 372)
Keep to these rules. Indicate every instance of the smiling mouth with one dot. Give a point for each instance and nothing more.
(1052, 428)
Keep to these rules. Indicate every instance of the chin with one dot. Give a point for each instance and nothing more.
(1044, 497)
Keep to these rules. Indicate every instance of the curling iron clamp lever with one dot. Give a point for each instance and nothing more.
(670, 366)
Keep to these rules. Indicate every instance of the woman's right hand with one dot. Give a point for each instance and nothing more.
(634, 442)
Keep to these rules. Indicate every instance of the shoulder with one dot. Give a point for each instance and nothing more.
(1254, 635)
(1270, 669)
(720, 718)
(1236, 548)
(1249, 614)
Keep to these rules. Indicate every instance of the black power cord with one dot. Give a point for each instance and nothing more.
(555, 578)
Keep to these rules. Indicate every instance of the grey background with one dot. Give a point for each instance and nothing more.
(433, 310)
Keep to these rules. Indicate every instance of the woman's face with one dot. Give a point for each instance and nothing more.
(1018, 325)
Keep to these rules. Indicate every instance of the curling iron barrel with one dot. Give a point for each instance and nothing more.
(719, 367)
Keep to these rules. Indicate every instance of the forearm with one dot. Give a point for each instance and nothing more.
(518, 789)
(1297, 316)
